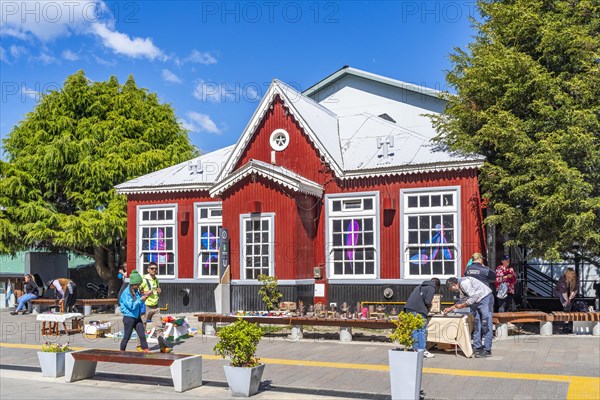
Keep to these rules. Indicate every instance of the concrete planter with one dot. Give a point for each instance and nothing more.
(244, 382)
(52, 364)
(406, 370)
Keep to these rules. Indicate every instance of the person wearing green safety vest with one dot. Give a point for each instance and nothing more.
(151, 283)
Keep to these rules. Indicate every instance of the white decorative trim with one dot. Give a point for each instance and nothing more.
(276, 88)
(165, 189)
(413, 169)
(277, 174)
(274, 140)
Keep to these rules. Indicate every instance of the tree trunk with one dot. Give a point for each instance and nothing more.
(104, 261)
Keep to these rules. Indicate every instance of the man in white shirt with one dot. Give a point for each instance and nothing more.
(478, 296)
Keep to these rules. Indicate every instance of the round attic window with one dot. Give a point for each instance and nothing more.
(279, 139)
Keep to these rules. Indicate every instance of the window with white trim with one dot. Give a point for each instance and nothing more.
(209, 219)
(156, 238)
(257, 245)
(352, 236)
(430, 233)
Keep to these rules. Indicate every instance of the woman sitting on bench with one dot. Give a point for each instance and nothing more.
(31, 293)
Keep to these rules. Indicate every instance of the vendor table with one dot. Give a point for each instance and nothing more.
(50, 323)
(451, 329)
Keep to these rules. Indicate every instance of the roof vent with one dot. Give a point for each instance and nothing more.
(387, 118)
(195, 167)
(385, 143)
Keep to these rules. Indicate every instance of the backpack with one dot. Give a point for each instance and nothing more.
(502, 291)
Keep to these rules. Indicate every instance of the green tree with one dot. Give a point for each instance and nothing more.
(528, 99)
(63, 159)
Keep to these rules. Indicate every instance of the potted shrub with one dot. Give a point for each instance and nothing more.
(52, 359)
(269, 291)
(406, 364)
(238, 341)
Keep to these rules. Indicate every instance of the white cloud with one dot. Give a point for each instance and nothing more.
(49, 19)
(46, 58)
(69, 55)
(102, 61)
(200, 123)
(17, 51)
(170, 77)
(197, 57)
(201, 58)
(30, 93)
(120, 43)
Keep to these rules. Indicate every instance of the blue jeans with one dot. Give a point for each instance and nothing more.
(482, 323)
(24, 299)
(420, 335)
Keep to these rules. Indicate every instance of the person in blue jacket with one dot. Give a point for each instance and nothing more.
(133, 307)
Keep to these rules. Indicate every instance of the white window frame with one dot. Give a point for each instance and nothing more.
(200, 222)
(406, 212)
(141, 224)
(331, 215)
(271, 242)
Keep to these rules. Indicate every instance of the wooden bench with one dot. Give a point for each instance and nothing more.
(186, 370)
(501, 320)
(36, 304)
(89, 303)
(583, 322)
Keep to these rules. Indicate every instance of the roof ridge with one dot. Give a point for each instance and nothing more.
(311, 101)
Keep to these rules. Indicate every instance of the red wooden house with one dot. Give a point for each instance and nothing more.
(338, 191)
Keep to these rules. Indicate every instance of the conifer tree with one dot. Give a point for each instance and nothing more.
(528, 99)
(64, 159)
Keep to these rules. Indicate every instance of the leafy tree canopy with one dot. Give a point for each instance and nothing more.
(528, 99)
(63, 159)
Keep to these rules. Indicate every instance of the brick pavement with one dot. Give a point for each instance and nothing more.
(294, 366)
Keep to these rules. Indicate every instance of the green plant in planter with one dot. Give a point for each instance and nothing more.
(405, 325)
(269, 291)
(55, 348)
(238, 341)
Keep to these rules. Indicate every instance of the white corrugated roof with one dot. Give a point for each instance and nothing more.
(276, 173)
(321, 121)
(180, 177)
(348, 144)
(359, 136)
(372, 77)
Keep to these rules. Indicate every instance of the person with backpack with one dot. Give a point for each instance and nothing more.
(419, 303)
(505, 284)
(480, 299)
(151, 283)
(31, 293)
(476, 269)
(132, 306)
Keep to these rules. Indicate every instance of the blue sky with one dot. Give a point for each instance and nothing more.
(213, 60)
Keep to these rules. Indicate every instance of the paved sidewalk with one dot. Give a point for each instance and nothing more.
(523, 367)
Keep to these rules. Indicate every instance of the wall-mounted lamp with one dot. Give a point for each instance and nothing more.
(255, 206)
(185, 222)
